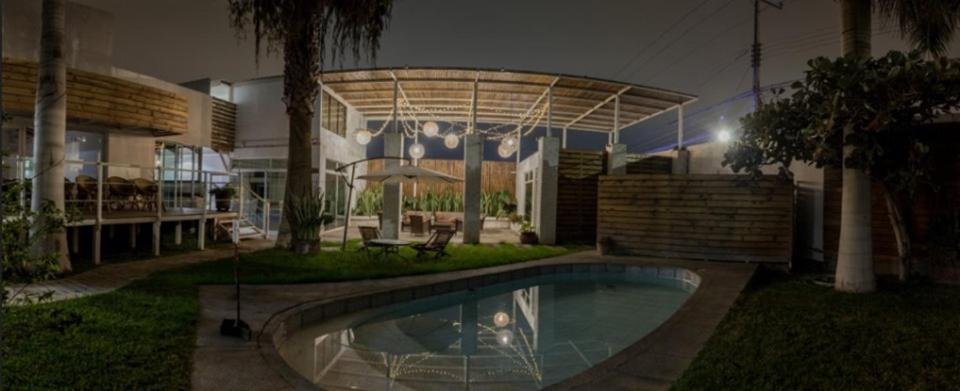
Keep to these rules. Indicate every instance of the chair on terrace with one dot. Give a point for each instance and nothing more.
(436, 244)
(368, 234)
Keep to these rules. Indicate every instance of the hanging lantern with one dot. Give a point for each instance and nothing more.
(510, 141)
(363, 136)
(417, 151)
(501, 319)
(430, 129)
(451, 141)
(504, 151)
(505, 337)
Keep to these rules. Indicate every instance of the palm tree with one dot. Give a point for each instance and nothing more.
(306, 31)
(50, 124)
(929, 25)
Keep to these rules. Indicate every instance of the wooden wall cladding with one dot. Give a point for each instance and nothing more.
(99, 100)
(639, 164)
(224, 133)
(708, 217)
(577, 195)
(496, 175)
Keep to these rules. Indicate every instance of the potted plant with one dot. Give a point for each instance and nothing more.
(527, 233)
(222, 196)
(307, 218)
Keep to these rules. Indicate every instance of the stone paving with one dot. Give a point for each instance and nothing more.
(653, 363)
(109, 277)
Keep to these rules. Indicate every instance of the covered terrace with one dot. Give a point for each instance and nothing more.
(471, 106)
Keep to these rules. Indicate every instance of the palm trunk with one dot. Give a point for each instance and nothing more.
(50, 123)
(300, 88)
(855, 253)
(900, 232)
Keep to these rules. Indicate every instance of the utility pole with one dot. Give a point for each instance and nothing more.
(757, 51)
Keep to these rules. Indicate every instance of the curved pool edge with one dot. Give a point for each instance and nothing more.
(653, 362)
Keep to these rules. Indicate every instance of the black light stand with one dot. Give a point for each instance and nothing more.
(236, 327)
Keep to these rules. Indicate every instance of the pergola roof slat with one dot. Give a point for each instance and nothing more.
(502, 96)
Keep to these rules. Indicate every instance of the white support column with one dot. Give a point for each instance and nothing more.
(202, 224)
(550, 111)
(98, 225)
(159, 218)
(472, 187)
(545, 217)
(133, 236)
(616, 120)
(473, 103)
(681, 163)
(392, 192)
(563, 140)
(321, 161)
(156, 238)
(178, 233)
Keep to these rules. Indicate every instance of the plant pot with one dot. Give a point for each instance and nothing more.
(223, 204)
(529, 238)
(306, 247)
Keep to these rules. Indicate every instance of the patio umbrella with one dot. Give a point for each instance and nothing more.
(401, 174)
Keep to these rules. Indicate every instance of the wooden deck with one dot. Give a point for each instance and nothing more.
(148, 216)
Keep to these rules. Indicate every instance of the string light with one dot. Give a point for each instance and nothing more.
(363, 136)
(417, 151)
(451, 140)
(430, 129)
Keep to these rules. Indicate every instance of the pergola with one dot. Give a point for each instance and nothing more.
(510, 103)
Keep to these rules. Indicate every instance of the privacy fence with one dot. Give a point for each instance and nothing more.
(496, 176)
(708, 217)
(577, 188)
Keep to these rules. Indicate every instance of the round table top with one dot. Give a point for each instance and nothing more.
(390, 242)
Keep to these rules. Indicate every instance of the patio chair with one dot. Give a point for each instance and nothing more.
(418, 225)
(368, 234)
(436, 244)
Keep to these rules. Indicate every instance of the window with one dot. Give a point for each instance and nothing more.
(334, 115)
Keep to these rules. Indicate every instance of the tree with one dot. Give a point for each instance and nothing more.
(870, 107)
(50, 124)
(306, 31)
(930, 25)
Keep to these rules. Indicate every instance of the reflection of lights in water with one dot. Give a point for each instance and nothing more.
(505, 337)
(501, 319)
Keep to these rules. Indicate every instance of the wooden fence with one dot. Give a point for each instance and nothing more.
(496, 176)
(99, 99)
(224, 125)
(709, 217)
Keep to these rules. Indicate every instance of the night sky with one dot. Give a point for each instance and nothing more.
(694, 46)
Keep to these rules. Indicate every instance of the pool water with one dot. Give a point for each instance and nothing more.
(521, 335)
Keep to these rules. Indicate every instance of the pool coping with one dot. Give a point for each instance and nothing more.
(652, 363)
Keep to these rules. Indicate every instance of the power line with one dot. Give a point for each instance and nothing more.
(662, 34)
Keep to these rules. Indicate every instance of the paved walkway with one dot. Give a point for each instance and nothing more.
(653, 363)
(109, 277)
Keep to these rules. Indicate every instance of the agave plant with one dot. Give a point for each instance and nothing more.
(307, 214)
(369, 202)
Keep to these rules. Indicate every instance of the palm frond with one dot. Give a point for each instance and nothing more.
(928, 24)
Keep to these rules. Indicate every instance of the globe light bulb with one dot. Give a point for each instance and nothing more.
(510, 142)
(505, 337)
(430, 129)
(501, 319)
(504, 151)
(363, 136)
(417, 151)
(451, 141)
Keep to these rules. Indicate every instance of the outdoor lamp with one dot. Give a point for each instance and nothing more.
(505, 337)
(510, 142)
(504, 151)
(430, 129)
(724, 136)
(501, 319)
(417, 150)
(363, 136)
(451, 141)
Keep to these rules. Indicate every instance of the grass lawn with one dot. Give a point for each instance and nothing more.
(142, 336)
(795, 335)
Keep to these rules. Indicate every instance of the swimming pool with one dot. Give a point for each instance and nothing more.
(523, 334)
